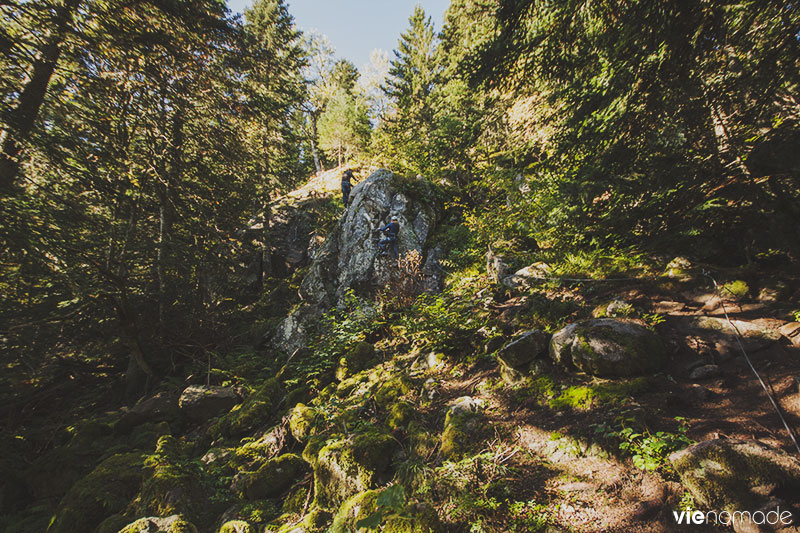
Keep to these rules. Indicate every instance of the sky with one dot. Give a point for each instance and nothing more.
(356, 27)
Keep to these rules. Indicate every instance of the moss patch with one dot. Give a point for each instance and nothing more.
(301, 422)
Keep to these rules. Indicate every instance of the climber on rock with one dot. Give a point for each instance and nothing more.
(346, 185)
(391, 230)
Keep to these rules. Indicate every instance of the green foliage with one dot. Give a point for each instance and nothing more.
(738, 289)
(649, 451)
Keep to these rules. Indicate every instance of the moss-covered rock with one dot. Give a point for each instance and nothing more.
(731, 474)
(201, 402)
(400, 414)
(348, 466)
(360, 357)
(316, 521)
(357, 507)
(237, 526)
(256, 411)
(176, 485)
(608, 347)
(169, 524)
(462, 421)
(301, 422)
(272, 479)
(422, 441)
(295, 501)
(397, 517)
(107, 490)
(392, 390)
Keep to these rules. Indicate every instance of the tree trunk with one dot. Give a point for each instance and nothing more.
(22, 118)
(314, 151)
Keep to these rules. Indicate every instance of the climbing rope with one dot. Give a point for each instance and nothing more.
(750, 364)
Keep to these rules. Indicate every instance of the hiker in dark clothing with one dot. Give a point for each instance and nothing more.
(391, 229)
(346, 186)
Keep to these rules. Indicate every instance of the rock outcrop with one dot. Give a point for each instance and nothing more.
(349, 261)
(608, 347)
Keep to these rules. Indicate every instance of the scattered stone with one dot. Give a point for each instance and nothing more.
(755, 336)
(496, 267)
(678, 268)
(773, 292)
(698, 394)
(462, 420)
(705, 372)
(429, 389)
(792, 332)
(237, 526)
(524, 349)
(608, 347)
(527, 277)
(201, 403)
(668, 307)
(735, 474)
(695, 364)
(614, 309)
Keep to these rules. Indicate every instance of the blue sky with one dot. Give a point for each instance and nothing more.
(356, 27)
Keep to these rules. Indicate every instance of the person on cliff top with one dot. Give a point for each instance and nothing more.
(347, 176)
(391, 230)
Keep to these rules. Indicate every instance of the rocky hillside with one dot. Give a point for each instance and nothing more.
(397, 395)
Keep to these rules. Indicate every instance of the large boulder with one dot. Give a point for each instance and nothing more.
(608, 347)
(736, 475)
(349, 466)
(200, 402)
(155, 524)
(348, 260)
(272, 479)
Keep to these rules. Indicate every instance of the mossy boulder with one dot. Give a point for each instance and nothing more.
(200, 402)
(360, 357)
(237, 526)
(106, 491)
(348, 466)
(732, 474)
(524, 349)
(273, 478)
(313, 446)
(462, 421)
(392, 389)
(301, 422)
(255, 412)
(678, 268)
(176, 485)
(608, 347)
(400, 414)
(391, 516)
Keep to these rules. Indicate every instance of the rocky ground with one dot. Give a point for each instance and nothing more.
(486, 401)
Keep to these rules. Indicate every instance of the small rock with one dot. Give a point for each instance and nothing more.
(696, 363)
(494, 344)
(464, 405)
(524, 349)
(527, 277)
(792, 332)
(496, 267)
(163, 407)
(772, 292)
(200, 403)
(705, 372)
(699, 394)
(678, 267)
